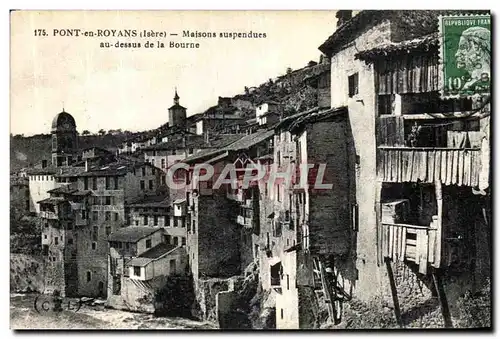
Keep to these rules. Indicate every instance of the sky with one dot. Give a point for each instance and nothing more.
(131, 89)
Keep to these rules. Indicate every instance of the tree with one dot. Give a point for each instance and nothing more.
(102, 132)
(86, 132)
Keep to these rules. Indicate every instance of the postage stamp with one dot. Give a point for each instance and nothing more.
(465, 55)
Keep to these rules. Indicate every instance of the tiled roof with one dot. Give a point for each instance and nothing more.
(52, 200)
(317, 116)
(243, 142)
(139, 262)
(425, 43)
(70, 171)
(250, 140)
(66, 189)
(158, 251)
(191, 141)
(118, 168)
(132, 233)
(41, 171)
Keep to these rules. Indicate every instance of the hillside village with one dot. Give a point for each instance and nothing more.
(398, 241)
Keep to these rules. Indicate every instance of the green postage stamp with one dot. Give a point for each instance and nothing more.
(465, 55)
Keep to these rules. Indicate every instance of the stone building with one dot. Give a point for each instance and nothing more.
(85, 207)
(303, 223)
(416, 160)
(221, 224)
(139, 263)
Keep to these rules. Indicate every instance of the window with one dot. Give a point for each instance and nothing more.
(94, 183)
(176, 241)
(155, 218)
(194, 226)
(151, 184)
(127, 245)
(183, 241)
(137, 223)
(162, 163)
(89, 276)
(46, 225)
(94, 245)
(84, 214)
(116, 183)
(137, 271)
(176, 222)
(70, 241)
(167, 238)
(107, 216)
(56, 240)
(281, 313)
(145, 220)
(85, 183)
(45, 236)
(107, 201)
(116, 216)
(95, 215)
(142, 185)
(190, 151)
(353, 85)
(173, 266)
(95, 233)
(108, 230)
(144, 171)
(287, 282)
(108, 183)
(148, 243)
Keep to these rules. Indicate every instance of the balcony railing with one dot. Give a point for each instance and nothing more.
(413, 243)
(451, 166)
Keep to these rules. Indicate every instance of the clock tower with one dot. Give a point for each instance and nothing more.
(64, 140)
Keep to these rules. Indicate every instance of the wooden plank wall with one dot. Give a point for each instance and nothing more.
(451, 167)
(391, 130)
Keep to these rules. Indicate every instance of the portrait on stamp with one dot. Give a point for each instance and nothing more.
(466, 53)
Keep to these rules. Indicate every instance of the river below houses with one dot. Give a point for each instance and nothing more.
(24, 316)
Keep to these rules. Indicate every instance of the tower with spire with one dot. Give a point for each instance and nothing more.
(177, 113)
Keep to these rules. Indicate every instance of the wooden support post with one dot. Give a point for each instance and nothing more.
(438, 224)
(378, 222)
(394, 292)
(445, 310)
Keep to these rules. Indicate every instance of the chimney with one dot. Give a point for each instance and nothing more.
(343, 16)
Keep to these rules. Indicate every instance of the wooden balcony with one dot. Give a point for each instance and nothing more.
(418, 244)
(451, 166)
